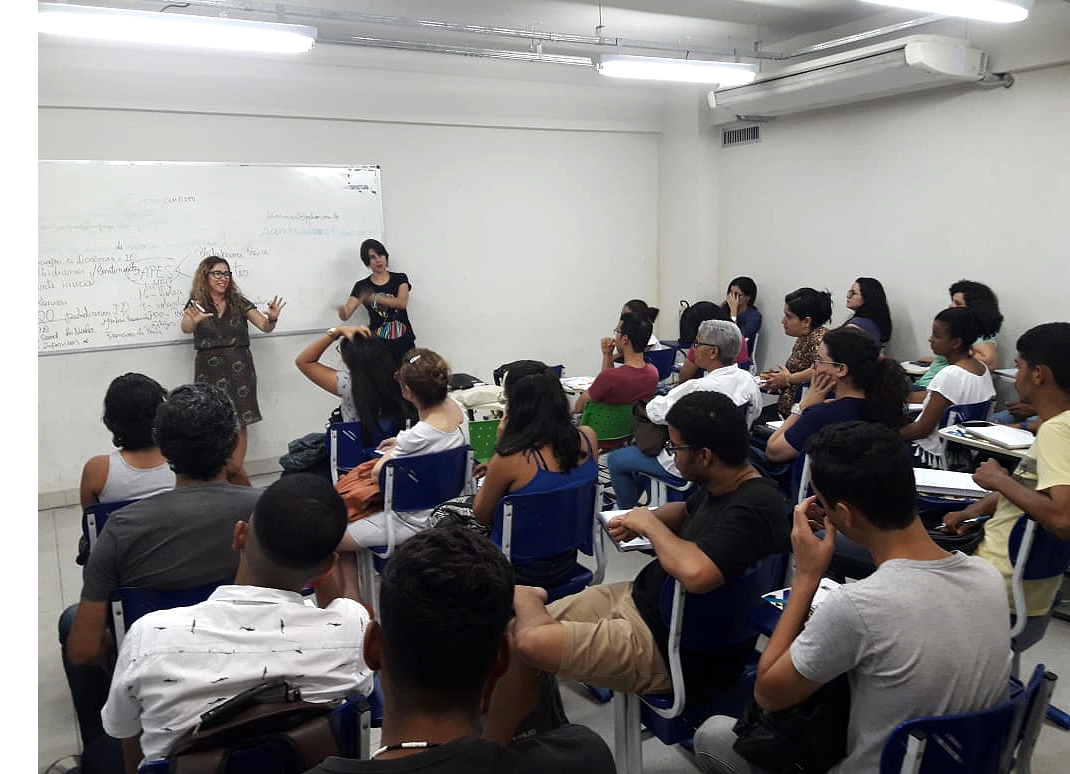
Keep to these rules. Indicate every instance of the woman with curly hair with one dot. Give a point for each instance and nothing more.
(218, 316)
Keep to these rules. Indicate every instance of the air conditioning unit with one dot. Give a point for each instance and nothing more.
(894, 67)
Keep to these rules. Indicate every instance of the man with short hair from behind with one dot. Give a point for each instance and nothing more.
(173, 540)
(902, 635)
(635, 380)
(717, 345)
(613, 635)
(441, 646)
(1040, 485)
(176, 664)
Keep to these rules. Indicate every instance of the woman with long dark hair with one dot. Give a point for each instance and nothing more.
(370, 394)
(218, 316)
(866, 385)
(739, 302)
(538, 449)
(867, 300)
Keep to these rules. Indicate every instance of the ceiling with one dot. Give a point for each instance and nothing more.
(679, 26)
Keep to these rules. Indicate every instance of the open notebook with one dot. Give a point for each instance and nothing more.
(947, 482)
(1002, 435)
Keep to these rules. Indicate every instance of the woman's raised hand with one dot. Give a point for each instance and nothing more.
(195, 315)
(275, 306)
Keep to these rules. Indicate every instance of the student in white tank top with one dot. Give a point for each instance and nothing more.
(136, 469)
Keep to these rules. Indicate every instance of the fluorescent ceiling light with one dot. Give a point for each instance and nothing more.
(684, 70)
(985, 10)
(157, 28)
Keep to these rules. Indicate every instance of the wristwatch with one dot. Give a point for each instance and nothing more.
(796, 409)
(333, 334)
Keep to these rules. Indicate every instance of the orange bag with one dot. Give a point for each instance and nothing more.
(360, 491)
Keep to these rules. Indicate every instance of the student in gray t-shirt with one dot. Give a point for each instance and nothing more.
(902, 634)
(173, 540)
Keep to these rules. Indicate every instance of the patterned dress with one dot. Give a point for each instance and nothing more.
(801, 358)
(224, 360)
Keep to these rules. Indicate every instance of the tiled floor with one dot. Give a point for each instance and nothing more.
(59, 583)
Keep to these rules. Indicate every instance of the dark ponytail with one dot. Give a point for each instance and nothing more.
(642, 309)
(881, 379)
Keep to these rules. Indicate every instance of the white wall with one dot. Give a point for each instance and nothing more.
(524, 212)
(918, 192)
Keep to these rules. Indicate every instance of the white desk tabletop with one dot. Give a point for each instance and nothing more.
(956, 434)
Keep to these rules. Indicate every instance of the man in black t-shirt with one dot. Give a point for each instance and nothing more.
(441, 647)
(612, 635)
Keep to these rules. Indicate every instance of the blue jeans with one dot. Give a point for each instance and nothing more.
(89, 690)
(1006, 418)
(625, 465)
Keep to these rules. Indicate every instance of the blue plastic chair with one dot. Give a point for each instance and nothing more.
(662, 359)
(720, 618)
(345, 442)
(416, 483)
(96, 516)
(537, 525)
(349, 723)
(989, 741)
(963, 412)
(1045, 557)
(129, 603)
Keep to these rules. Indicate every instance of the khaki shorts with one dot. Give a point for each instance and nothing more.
(607, 643)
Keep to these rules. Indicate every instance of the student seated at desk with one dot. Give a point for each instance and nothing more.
(985, 305)
(1040, 485)
(805, 313)
(370, 394)
(538, 449)
(136, 468)
(965, 380)
(867, 387)
(739, 303)
(926, 634)
(718, 342)
(867, 301)
(635, 380)
(424, 378)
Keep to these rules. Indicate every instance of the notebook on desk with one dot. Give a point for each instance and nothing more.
(947, 482)
(635, 544)
(1002, 435)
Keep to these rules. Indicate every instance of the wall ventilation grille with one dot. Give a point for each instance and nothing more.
(741, 135)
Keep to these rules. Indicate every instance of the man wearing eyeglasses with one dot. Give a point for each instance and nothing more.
(612, 635)
(717, 345)
(635, 380)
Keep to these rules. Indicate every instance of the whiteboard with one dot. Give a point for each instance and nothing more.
(119, 241)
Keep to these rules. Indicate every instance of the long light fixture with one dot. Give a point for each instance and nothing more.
(681, 70)
(158, 28)
(986, 10)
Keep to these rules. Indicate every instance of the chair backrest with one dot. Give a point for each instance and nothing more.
(661, 359)
(535, 525)
(345, 442)
(979, 742)
(1035, 554)
(347, 723)
(720, 618)
(129, 603)
(483, 435)
(609, 422)
(423, 481)
(965, 412)
(96, 516)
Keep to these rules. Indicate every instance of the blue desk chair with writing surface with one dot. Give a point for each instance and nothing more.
(416, 483)
(993, 740)
(94, 518)
(530, 526)
(958, 456)
(1035, 554)
(129, 603)
(345, 442)
(720, 618)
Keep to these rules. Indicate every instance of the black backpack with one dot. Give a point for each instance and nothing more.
(693, 314)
